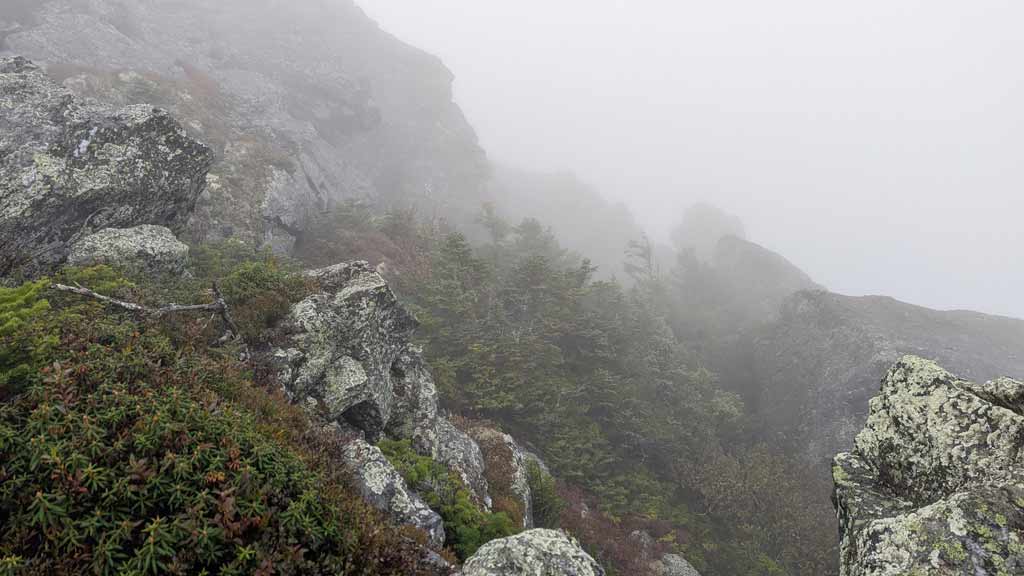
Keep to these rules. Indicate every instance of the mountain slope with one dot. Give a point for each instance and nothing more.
(305, 103)
(818, 365)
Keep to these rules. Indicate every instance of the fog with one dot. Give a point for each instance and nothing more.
(875, 144)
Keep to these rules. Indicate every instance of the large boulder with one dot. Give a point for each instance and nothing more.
(533, 553)
(343, 343)
(935, 484)
(68, 168)
(383, 487)
(349, 359)
(506, 470)
(146, 249)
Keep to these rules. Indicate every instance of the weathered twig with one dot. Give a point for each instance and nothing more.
(218, 306)
(225, 312)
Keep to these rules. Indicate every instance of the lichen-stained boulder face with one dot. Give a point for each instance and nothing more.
(343, 344)
(415, 417)
(533, 553)
(935, 484)
(383, 487)
(67, 169)
(929, 434)
(506, 470)
(144, 249)
(461, 454)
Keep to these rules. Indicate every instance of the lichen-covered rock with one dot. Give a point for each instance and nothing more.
(383, 487)
(461, 454)
(506, 469)
(533, 553)
(343, 345)
(935, 484)
(673, 565)
(415, 417)
(67, 169)
(148, 249)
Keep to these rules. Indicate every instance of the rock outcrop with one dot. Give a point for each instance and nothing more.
(935, 484)
(146, 249)
(506, 469)
(343, 345)
(383, 487)
(347, 357)
(306, 103)
(68, 168)
(532, 553)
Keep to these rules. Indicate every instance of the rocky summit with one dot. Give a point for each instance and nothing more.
(935, 484)
(69, 168)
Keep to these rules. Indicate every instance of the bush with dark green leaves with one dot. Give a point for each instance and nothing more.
(467, 527)
(123, 452)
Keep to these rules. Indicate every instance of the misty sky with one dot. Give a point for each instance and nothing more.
(877, 144)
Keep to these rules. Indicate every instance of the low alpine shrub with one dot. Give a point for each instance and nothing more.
(467, 527)
(124, 453)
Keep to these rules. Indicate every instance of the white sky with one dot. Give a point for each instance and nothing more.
(877, 144)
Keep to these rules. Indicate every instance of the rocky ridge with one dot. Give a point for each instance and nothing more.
(820, 363)
(935, 484)
(84, 185)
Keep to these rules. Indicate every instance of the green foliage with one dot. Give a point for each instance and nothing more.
(600, 377)
(126, 454)
(547, 503)
(31, 321)
(467, 527)
(217, 260)
(260, 295)
(19, 307)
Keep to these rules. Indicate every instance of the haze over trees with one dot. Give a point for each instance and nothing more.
(192, 380)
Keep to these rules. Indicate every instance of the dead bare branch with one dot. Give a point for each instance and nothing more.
(218, 306)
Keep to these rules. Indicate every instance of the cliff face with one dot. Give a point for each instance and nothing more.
(935, 484)
(306, 103)
(818, 365)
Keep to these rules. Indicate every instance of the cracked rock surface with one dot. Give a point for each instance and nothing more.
(935, 484)
(383, 487)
